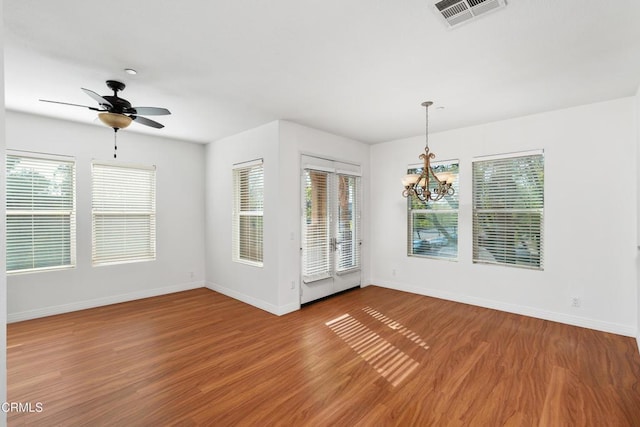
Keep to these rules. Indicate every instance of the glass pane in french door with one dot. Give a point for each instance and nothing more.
(348, 221)
(316, 261)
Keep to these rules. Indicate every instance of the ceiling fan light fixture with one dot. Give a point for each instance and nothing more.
(115, 120)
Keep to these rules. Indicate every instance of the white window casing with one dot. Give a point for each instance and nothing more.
(40, 212)
(432, 227)
(508, 210)
(123, 213)
(248, 213)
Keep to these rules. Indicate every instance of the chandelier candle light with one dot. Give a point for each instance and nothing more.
(428, 185)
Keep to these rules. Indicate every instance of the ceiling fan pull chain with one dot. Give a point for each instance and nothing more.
(115, 143)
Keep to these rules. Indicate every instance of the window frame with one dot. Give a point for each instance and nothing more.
(71, 213)
(253, 169)
(512, 206)
(103, 206)
(428, 209)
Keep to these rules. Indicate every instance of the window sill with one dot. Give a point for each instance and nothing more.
(40, 270)
(251, 263)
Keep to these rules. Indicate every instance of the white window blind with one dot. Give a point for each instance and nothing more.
(508, 207)
(316, 233)
(40, 214)
(124, 213)
(433, 227)
(248, 212)
(348, 239)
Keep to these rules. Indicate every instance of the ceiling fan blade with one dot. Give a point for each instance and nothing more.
(97, 97)
(147, 122)
(151, 111)
(75, 105)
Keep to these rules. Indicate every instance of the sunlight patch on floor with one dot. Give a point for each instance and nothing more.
(396, 327)
(391, 363)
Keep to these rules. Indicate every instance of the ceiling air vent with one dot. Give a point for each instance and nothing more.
(456, 12)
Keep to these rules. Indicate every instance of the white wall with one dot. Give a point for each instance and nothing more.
(590, 221)
(637, 122)
(3, 281)
(275, 286)
(179, 218)
(254, 285)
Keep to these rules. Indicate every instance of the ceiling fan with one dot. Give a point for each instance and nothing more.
(116, 112)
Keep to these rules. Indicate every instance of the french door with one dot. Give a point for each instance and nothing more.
(331, 240)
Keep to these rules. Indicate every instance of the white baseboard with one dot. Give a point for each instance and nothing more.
(258, 303)
(99, 302)
(585, 322)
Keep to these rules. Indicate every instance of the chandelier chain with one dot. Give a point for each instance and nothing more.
(427, 127)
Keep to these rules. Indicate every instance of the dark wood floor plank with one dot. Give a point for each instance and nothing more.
(201, 358)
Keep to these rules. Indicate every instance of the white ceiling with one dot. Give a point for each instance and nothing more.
(358, 68)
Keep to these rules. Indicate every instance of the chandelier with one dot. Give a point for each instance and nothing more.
(428, 185)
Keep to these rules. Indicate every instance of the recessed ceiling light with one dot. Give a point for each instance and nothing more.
(130, 71)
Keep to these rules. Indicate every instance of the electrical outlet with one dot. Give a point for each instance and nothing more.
(191, 275)
(293, 284)
(575, 302)
(393, 272)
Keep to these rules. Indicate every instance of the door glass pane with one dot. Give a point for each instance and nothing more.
(315, 227)
(348, 247)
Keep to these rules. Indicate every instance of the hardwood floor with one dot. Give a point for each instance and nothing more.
(372, 356)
